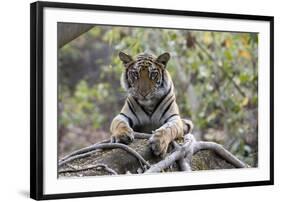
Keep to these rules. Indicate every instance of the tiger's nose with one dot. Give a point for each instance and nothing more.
(144, 93)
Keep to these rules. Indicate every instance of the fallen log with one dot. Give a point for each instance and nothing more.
(111, 158)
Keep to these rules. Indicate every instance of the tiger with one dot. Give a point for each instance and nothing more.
(150, 106)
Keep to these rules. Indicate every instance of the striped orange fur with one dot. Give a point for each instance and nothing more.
(151, 103)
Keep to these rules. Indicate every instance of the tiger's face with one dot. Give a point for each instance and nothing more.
(144, 76)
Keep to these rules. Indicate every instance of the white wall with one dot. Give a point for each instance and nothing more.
(14, 99)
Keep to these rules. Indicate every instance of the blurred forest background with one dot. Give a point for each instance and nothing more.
(215, 76)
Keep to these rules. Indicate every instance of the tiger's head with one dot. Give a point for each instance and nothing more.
(146, 78)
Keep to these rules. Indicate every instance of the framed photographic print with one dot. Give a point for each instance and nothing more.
(136, 100)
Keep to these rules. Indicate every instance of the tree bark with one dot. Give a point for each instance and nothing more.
(119, 161)
(69, 31)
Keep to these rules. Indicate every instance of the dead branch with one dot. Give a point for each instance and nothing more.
(69, 31)
(220, 150)
(99, 166)
(179, 154)
(184, 154)
(141, 160)
(84, 152)
(91, 149)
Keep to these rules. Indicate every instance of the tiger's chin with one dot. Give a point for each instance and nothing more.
(145, 102)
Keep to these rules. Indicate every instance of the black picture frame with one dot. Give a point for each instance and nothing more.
(37, 98)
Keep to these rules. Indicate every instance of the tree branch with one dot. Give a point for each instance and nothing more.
(184, 155)
(88, 150)
(184, 165)
(105, 167)
(69, 31)
(179, 153)
(220, 150)
(92, 149)
(221, 68)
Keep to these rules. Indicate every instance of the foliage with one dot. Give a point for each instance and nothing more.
(215, 76)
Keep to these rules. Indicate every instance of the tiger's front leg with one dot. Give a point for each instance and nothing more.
(120, 129)
(162, 137)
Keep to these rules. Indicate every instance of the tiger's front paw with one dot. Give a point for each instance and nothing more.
(187, 126)
(122, 134)
(160, 141)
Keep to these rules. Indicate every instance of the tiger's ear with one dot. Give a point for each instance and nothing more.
(125, 58)
(163, 58)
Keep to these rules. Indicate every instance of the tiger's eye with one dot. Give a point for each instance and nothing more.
(134, 75)
(153, 75)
